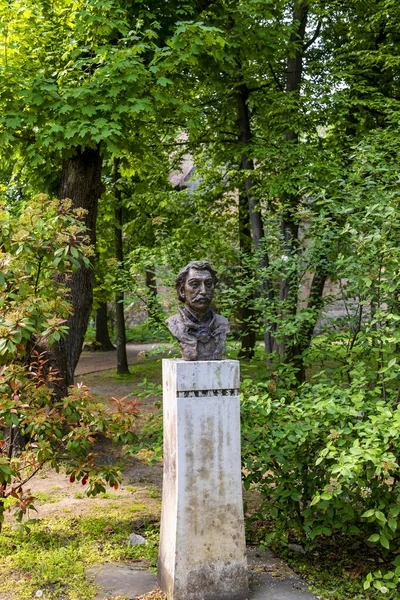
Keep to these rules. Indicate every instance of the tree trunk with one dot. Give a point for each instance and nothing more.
(122, 359)
(315, 303)
(246, 309)
(247, 164)
(103, 341)
(151, 285)
(256, 223)
(289, 284)
(81, 183)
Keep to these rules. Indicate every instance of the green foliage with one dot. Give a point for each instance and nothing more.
(144, 333)
(324, 455)
(152, 83)
(59, 60)
(41, 245)
(325, 463)
(36, 246)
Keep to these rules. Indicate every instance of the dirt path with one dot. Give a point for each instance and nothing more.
(91, 362)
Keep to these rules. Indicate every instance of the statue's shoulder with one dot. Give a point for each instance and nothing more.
(175, 324)
(222, 322)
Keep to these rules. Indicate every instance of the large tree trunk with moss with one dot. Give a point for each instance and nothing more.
(81, 183)
(293, 350)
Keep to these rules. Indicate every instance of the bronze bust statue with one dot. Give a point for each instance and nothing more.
(200, 331)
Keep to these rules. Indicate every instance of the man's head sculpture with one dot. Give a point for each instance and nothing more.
(195, 285)
(200, 331)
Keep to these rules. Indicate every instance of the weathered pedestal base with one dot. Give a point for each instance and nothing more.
(202, 545)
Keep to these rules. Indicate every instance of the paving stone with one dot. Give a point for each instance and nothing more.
(122, 580)
(269, 579)
(272, 579)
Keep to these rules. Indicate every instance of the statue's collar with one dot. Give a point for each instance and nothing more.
(188, 315)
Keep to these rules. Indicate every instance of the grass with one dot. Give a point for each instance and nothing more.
(49, 498)
(56, 553)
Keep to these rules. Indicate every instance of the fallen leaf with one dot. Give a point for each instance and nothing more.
(357, 572)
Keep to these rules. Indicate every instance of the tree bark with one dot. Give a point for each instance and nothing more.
(246, 308)
(81, 183)
(103, 341)
(122, 359)
(152, 293)
(289, 284)
(256, 222)
(315, 303)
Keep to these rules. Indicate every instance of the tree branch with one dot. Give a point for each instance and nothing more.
(278, 83)
(261, 87)
(314, 37)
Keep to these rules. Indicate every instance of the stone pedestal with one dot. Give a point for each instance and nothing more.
(202, 545)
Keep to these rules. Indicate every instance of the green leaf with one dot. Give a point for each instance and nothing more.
(380, 516)
(396, 561)
(164, 81)
(89, 110)
(384, 541)
(392, 523)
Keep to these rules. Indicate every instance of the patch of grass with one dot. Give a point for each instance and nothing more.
(137, 507)
(141, 333)
(130, 488)
(256, 370)
(152, 491)
(109, 496)
(55, 554)
(49, 498)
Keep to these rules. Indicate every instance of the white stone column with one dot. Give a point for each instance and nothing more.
(202, 544)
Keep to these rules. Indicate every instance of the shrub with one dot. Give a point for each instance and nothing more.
(39, 245)
(324, 459)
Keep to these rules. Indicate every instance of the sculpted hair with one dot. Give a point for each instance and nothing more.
(199, 265)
